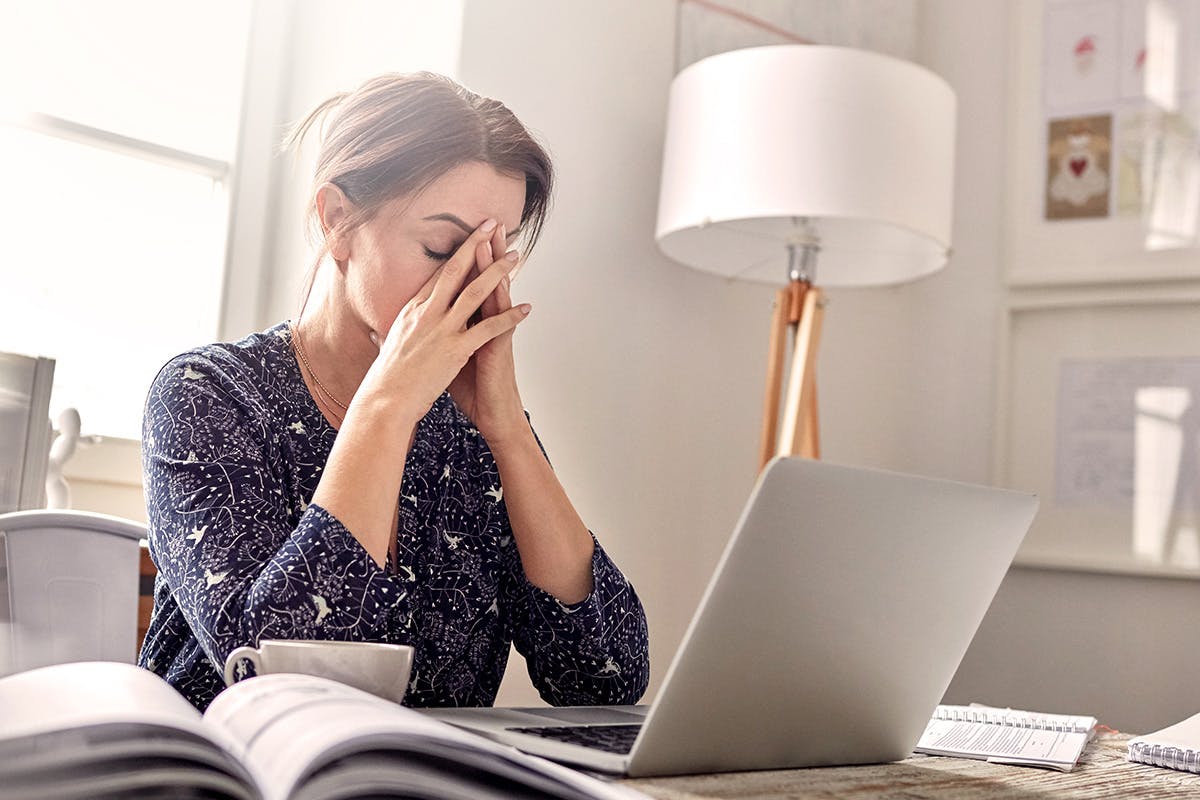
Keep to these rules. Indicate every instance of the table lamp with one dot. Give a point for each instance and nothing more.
(781, 160)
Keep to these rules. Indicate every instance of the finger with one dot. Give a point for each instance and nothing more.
(483, 257)
(483, 260)
(494, 304)
(502, 294)
(472, 297)
(512, 276)
(504, 301)
(491, 304)
(492, 327)
(460, 266)
(499, 244)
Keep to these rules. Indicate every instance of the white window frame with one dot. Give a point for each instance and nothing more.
(251, 181)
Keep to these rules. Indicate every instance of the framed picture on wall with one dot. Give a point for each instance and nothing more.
(1099, 414)
(1104, 142)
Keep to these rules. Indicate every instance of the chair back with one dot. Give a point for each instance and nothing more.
(68, 588)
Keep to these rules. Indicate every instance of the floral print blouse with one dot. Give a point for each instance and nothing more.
(233, 447)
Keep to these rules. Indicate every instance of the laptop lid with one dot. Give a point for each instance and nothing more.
(834, 622)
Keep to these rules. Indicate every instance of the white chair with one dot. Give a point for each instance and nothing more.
(68, 588)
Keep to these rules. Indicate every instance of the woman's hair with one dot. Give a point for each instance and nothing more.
(397, 133)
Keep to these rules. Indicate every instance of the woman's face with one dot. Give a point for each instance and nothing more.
(392, 256)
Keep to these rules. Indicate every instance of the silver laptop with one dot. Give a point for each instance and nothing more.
(829, 632)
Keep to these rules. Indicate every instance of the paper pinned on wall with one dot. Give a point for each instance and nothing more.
(1080, 55)
(1098, 419)
(1128, 435)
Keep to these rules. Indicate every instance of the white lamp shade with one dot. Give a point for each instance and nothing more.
(859, 144)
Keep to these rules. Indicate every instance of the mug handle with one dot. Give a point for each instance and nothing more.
(241, 653)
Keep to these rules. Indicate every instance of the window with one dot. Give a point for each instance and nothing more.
(117, 149)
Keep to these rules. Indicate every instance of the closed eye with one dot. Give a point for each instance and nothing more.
(436, 256)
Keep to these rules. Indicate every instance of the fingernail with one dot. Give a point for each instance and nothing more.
(512, 255)
(525, 308)
(374, 338)
(488, 226)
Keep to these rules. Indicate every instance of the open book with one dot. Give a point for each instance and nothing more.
(1005, 736)
(102, 729)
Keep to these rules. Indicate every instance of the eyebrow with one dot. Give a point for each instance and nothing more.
(448, 217)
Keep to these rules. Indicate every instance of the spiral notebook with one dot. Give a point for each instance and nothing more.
(1175, 747)
(1006, 736)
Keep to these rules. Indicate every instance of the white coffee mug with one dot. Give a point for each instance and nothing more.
(375, 667)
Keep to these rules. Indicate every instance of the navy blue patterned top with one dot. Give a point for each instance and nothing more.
(233, 446)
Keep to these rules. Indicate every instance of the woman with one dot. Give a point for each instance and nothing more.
(367, 472)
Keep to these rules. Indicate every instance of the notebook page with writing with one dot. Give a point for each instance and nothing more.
(1007, 736)
(1174, 747)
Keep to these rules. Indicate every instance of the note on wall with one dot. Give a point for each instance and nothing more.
(1081, 51)
(1117, 418)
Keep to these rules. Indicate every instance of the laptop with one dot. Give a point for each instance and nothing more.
(836, 617)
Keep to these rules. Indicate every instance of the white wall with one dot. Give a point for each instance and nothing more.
(1124, 649)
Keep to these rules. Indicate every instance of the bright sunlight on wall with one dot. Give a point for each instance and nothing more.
(118, 137)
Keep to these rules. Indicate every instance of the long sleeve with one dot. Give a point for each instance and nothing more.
(242, 560)
(234, 448)
(594, 652)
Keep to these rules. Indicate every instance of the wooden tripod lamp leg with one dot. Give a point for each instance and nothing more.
(811, 446)
(799, 434)
(775, 358)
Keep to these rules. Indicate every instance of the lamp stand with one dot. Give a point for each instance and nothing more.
(799, 308)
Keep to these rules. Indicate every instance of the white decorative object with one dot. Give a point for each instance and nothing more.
(66, 439)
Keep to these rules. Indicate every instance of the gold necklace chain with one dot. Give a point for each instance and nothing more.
(324, 393)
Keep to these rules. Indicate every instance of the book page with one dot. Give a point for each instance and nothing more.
(87, 693)
(68, 727)
(288, 727)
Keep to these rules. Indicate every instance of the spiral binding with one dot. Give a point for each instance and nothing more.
(1165, 756)
(1012, 719)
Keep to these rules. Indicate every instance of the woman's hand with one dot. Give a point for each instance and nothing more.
(430, 343)
(486, 387)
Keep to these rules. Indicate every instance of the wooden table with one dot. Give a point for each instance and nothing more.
(1102, 772)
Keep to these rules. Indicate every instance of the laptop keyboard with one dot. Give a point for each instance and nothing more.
(610, 738)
